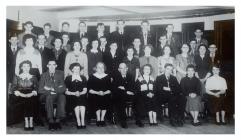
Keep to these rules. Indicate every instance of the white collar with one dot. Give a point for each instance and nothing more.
(100, 76)
(41, 46)
(14, 47)
(94, 51)
(76, 77)
(25, 76)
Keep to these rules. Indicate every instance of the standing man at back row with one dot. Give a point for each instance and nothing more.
(199, 39)
(120, 36)
(145, 34)
(82, 31)
(173, 40)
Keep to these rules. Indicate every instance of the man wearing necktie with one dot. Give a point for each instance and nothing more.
(124, 91)
(51, 90)
(44, 51)
(11, 59)
(120, 36)
(173, 40)
(169, 91)
(198, 37)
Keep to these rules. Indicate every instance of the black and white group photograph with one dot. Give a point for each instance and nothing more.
(120, 69)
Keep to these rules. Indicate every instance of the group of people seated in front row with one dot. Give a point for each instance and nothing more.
(104, 78)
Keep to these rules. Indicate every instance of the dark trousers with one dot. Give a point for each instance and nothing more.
(176, 105)
(120, 103)
(50, 100)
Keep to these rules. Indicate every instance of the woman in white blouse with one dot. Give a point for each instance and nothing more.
(216, 87)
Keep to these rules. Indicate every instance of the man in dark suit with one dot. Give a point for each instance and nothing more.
(84, 41)
(58, 54)
(169, 91)
(100, 31)
(82, 31)
(120, 36)
(162, 43)
(51, 90)
(12, 51)
(66, 30)
(173, 40)
(145, 34)
(215, 58)
(123, 91)
(198, 37)
(44, 51)
(103, 43)
(48, 36)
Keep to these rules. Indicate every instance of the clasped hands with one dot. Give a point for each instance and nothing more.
(18, 93)
(145, 87)
(192, 95)
(127, 92)
(51, 89)
(150, 95)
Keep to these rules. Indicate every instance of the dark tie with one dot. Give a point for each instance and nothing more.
(52, 76)
(168, 82)
(14, 51)
(41, 49)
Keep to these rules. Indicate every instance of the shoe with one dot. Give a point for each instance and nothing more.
(139, 123)
(173, 123)
(51, 127)
(78, 126)
(199, 123)
(31, 128)
(151, 124)
(98, 123)
(217, 123)
(223, 123)
(58, 126)
(179, 123)
(124, 125)
(83, 127)
(102, 123)
(155, 124)
(26, 128)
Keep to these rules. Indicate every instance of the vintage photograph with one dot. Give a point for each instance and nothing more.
(120, 69)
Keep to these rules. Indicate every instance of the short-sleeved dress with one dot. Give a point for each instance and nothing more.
(97, 102)
(73, 86)
(150, 104)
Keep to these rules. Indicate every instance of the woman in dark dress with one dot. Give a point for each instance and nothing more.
(94, 56)
(191, 88)
(25, 88)
(146, 90)
(132, 63)
(203, 66)
(76, 86)
(99, 86)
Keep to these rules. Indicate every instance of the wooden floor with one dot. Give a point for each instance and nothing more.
(162, 128)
